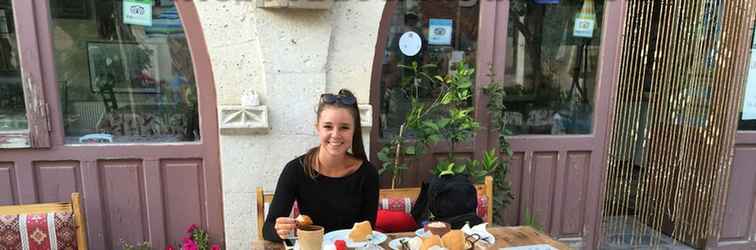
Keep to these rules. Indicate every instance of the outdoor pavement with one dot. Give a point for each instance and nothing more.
(624, 233)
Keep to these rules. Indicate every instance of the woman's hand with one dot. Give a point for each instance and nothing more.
(284, 226)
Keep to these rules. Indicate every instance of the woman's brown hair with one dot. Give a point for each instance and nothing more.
(358, 149)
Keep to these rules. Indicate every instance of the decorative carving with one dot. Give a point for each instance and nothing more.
(366, 115)
(237, 119)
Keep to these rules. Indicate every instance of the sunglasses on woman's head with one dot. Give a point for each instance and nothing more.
(343, 99)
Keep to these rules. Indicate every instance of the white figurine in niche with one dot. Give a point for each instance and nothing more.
(249, 98)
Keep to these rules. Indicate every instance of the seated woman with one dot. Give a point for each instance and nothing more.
(334, 187)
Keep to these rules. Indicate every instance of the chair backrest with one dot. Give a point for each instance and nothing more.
(13, 215)
(262, 199)
(485, 189)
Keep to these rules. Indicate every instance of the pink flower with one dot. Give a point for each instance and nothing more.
(189, 244)
(192, 228)
(169, 247)
(215, 247)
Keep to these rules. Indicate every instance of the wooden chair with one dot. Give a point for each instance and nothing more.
(58, 212)
(485, 189)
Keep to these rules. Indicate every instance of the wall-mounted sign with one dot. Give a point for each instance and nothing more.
(585, 21)
(749, 99)
(138, 12)
(410, 43)
(439, 31)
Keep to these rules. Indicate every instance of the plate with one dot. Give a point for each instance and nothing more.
(420, 232)
(396, 245)
(343, 234)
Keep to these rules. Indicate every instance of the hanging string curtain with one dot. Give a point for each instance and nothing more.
(680, 82)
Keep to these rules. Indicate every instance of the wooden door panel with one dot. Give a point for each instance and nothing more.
(552, 187)
(182, 195)
(512, 213)
(55, 181)
(123, 202)
(7, 184)
(543, 178)
(739, 210)
(571, 214)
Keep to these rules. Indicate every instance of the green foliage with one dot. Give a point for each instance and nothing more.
(399, 149)
(502, 188)
(530, 221)
(448, 116)
(201, 239)
(455, 122)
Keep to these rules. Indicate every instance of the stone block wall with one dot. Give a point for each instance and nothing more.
(289, 57)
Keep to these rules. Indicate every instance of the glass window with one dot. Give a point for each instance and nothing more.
(748, 118)
(447, 32)
(12, 105)
(551, 61)
(124, 71)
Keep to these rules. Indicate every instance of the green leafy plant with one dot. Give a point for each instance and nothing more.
(454, 121)
(502, 188)
(530, 220)
(400, 148)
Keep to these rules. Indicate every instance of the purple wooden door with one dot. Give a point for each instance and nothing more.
(557, 167)
(131, 192)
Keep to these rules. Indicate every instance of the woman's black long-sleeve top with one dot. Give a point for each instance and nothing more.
(332, 202)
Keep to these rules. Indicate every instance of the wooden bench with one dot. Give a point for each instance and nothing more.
(485, 189)
(35, 219)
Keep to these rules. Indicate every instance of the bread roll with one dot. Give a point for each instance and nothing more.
(454, 240)
(361, 231)
(431, 241)
(303, 220)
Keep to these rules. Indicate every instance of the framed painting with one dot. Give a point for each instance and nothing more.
(123, 67)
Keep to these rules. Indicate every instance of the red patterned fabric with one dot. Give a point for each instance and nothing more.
(10, 238)
(65, 231)
(396, 204)
(38, 231)
(39, 234)
(482, 209)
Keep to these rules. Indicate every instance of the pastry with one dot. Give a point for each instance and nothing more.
(431, 241)
(361, 231)
(454, 240)
(303, 220)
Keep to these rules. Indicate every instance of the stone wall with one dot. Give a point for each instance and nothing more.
(289, 57)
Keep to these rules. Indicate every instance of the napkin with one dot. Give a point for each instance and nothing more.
(479, 229)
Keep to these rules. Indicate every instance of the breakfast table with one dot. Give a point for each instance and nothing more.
(505, 237)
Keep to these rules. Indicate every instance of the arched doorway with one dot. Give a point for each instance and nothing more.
(132, 115)
(557, 161)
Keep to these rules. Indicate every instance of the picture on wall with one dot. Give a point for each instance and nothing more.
(123, 67)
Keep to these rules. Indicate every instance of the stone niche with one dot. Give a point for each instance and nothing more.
(295, 4)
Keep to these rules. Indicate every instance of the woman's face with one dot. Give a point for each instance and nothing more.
(335, 128)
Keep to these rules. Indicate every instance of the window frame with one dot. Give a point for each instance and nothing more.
(37, 135)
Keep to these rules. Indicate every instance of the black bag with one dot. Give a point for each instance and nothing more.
(450, 198)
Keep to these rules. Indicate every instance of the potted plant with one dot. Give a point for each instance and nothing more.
(401, 148)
